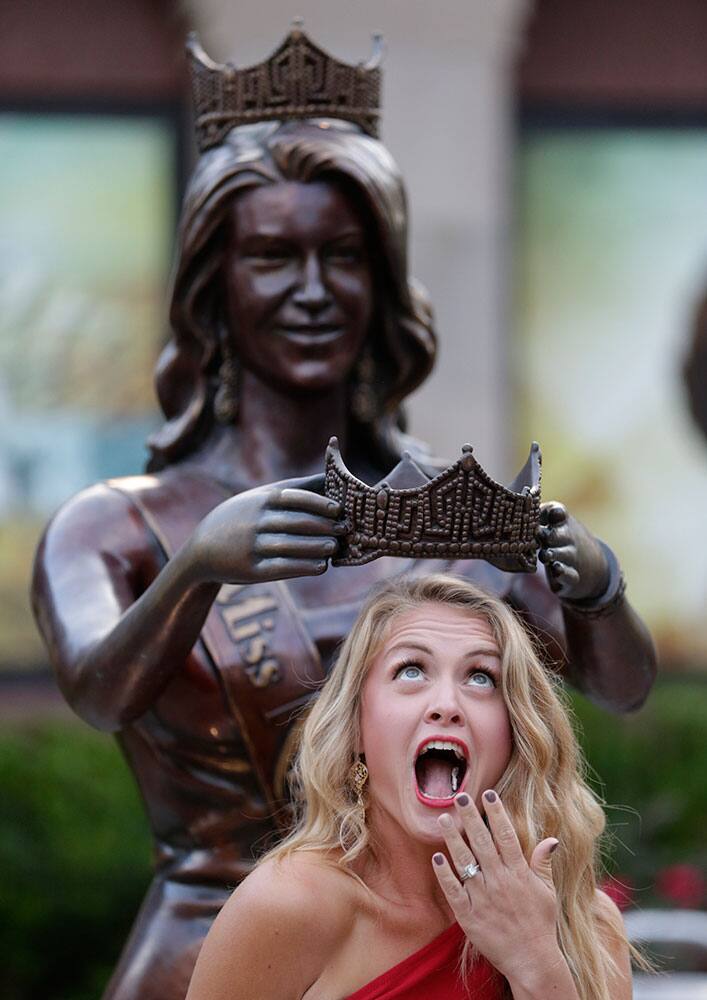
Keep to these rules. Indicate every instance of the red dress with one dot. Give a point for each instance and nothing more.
(432, 973)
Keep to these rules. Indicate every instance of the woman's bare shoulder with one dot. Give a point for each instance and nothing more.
(608, 912)
(283, 925)
(305, 884)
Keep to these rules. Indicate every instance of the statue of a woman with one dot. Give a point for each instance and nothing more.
(187, 610)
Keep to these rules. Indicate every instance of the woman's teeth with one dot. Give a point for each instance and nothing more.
(443, 745)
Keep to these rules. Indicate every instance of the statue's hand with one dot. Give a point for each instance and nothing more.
(272, 532)
(575, 563)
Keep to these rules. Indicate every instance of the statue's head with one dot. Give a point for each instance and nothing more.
(338, 188)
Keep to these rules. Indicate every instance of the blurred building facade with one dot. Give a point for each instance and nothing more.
(455, 76)
(611, 268)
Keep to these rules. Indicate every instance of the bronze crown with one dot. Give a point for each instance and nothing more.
(461, 513)
(299, 80)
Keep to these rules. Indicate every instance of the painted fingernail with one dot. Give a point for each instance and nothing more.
(553, 847)
(438, 859)
(490, 796)
(463, 799)
(446, 821)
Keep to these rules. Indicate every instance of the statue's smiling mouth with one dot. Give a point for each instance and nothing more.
(312, 333)
(440, 769)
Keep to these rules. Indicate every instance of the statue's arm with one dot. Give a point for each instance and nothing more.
(580, 611)
(116, 621)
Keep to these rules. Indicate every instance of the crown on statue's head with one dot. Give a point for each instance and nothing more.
(299, 80)
(460, 513)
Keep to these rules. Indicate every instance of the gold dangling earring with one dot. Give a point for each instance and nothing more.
(358, 776)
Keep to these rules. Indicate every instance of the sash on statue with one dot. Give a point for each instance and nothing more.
(268, 665)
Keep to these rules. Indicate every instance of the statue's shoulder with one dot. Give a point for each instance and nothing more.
(120, 507)
(112, 498)
(98, 520)
(107, 500)
(171, 502)
(173, 488)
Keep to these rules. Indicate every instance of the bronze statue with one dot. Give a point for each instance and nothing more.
(185, 610)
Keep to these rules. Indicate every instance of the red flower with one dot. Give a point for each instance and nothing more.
(620, 889)
(683, 885)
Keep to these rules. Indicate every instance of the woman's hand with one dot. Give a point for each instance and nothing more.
(576, 565)
(272, 532)
(508, 909)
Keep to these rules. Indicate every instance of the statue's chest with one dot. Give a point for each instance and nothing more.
(271, 645)
(263, 654)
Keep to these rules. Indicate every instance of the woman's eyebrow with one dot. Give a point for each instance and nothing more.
(418, 646)
(422, 648)
(485, 651)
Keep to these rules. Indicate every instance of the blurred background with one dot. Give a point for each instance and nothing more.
(555, 154)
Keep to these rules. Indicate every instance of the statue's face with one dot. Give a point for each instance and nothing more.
(298, 284)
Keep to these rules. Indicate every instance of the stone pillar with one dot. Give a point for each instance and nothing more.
(447, 113)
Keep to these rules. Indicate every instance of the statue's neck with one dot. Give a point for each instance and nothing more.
(278, 435)
(285, 435)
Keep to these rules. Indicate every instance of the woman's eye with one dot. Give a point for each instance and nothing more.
(409, 672)
(479, 678)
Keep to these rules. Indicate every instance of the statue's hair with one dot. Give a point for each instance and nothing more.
(402, 343)
(542, 788)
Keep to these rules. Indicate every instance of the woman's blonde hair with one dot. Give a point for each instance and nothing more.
(542, 788)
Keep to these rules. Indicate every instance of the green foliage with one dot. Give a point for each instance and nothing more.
(74, 857)
(651, 770)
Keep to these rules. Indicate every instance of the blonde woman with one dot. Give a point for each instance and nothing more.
(446, 845)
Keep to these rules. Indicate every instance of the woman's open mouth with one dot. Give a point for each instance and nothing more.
(440, 769)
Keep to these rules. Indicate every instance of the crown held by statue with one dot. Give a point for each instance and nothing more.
(459, 513)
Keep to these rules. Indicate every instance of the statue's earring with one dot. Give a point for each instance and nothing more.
(363, 398)
(226, 398)
(358, 776)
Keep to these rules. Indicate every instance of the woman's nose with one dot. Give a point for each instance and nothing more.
(311, 292)
(444, 708)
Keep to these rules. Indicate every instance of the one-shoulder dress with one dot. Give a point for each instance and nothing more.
(433, 973)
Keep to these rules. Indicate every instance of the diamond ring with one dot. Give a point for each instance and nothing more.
(469, 871)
